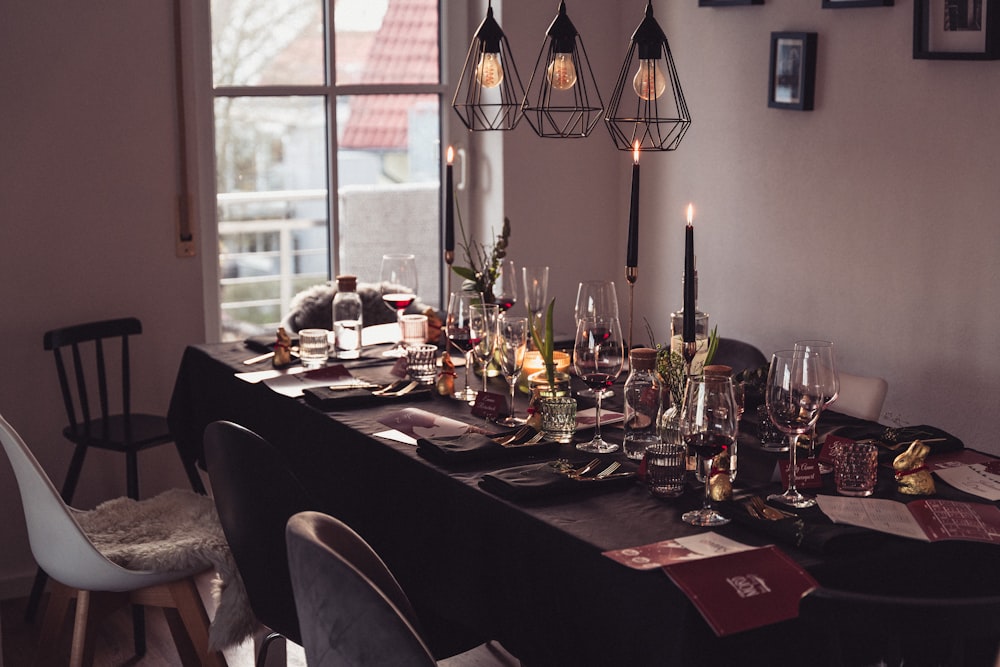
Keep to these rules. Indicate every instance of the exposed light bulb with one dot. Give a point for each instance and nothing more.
(489, 71)
(561, 72)
(649, 82)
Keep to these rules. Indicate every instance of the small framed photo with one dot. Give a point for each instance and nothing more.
(728, 3)
(792, 78)
(956, 29)
(843, 4)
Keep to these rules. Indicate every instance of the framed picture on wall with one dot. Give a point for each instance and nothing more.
(842, 4)
(792, 79)
(728, 3)
(956, 29)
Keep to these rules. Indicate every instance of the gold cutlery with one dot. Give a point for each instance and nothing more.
(267, 355)
(513, 437)
(615, 465)
(585, 469)
(768, 512)
(390, 388)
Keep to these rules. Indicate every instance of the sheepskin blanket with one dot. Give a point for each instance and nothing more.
(176, 530)
(313, 307)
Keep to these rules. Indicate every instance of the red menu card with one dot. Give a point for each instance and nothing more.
(743, 590)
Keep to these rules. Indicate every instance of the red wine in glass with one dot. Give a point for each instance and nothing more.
(460, 339)
(398, 301)
(505, 303)
(600, 334)
(707, 445)
(598, 381)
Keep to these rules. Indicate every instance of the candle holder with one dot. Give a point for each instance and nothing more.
(631, 275)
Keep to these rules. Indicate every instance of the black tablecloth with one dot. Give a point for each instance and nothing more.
(531, 572)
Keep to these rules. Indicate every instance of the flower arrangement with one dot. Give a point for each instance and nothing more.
(671, 367)
(546, 345)
(483, 268)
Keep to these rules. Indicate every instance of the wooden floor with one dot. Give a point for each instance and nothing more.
(114, 647)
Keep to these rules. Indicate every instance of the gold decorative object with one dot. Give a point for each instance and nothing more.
(912, 476)
(282, 349)
(445, 383)
(720, 487)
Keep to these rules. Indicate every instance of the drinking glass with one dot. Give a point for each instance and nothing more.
(598, 356)
(831, 379)
(398, 279)
(483, 319)
(456, 328)
(708, 426)
(536, 289)
(512, 343)
(794, 397)
(508, 286)
(596, 298)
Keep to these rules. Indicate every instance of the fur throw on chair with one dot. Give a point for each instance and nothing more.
(176, 530)
(313, 307)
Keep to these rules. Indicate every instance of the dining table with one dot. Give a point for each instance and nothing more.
(533, 572)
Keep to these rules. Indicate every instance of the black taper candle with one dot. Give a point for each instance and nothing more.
(689, 284)
(449, 204)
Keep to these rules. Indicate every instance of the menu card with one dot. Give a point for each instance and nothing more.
(409, 424)
(969, 471)
(692, 547)
(930, 520)
(294, 384)
(587, 418)
(743, 590)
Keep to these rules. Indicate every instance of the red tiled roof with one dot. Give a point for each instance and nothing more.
(405, 50)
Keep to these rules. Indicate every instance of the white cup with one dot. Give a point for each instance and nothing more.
(314, 346)
(414, 329)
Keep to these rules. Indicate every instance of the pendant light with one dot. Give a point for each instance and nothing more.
(560, 101)
(490, 92)
(648, 104)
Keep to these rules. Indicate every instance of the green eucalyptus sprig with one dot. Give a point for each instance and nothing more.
(483, 266)
(546, 346)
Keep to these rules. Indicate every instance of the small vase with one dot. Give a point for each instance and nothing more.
(538, 384)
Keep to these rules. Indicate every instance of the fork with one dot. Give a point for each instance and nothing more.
(767, 511)
(585, 469)
(607, 471)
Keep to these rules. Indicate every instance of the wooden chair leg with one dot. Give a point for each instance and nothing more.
(188, 624)
(53, 621)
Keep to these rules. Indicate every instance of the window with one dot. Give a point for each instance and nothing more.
(328, 117)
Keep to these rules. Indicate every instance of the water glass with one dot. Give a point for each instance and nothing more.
(855, 468)
(314, 346)
(421, 362)
(414, 329)
(666, 469)
(558, 417)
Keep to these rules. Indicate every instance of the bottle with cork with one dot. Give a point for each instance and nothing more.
(347, 319)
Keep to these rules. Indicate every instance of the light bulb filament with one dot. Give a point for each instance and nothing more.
(649, 82)
(489, 71)
(561, 72)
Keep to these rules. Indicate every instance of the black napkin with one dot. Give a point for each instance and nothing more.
(325, 398)
(541, 480)
(811, 531)
(893, 441)
(478, 447)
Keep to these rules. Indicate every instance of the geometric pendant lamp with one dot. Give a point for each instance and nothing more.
(563, 99)
(490, 92)
(648, 104)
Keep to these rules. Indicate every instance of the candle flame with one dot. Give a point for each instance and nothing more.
(635, 152)
(451, 154)
(690, 213)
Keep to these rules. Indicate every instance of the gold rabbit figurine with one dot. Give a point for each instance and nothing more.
(720, 487)
(282, 349)
(445, 384)
(912, 476)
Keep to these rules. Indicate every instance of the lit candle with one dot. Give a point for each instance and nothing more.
(632, 255)
(689, 286)
(449, 204)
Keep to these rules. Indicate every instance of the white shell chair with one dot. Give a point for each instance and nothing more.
(861, 396)
(78, 570)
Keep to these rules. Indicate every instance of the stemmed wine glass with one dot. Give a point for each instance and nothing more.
(536, 288)
(483, 319)
(708, 426)
(508, 286)
(512, 344)
(598, 355)
(398, 279)
(794, 398)
(596, 298)
(831, 379)
(456, 328)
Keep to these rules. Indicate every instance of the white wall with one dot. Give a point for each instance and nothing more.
(871, 220)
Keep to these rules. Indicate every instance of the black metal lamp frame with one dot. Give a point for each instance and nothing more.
(657, 124)
(484, 109)
(557, 113)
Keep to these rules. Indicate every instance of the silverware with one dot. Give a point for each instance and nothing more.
(260, 357)
(358, 384)
(513, 437)
(615, 465)
(585, 469)
(768, 512)
(405, 390)
(392, 387)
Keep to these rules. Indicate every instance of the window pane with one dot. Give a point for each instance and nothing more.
(271, 180)
(388, 165)
(386, 41)
(261, 42)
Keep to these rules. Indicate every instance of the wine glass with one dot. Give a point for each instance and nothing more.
(708, 426)
(483, 333)
(598, 355)
(794, 398)
(512, 344)
(456, 328)
(508, 286)
(398, 279)
(831, 379)
(536, 289)
(596, 298)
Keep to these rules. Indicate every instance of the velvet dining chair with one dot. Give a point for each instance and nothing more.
(352, 611)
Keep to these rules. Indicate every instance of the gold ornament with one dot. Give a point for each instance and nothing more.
(912, 476)
(720, 487)
(445, 383)
(282, 349)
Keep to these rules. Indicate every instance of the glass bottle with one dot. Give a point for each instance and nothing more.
(700, 333)
(347, 319)
(642, 403)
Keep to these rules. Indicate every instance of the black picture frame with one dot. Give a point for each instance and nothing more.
(844, 4)
(728, 3)
(792, 72)
(956, 29)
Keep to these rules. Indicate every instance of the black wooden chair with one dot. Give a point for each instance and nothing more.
(862, 628)
(255, 495)
(738, 355)
(88, 380)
